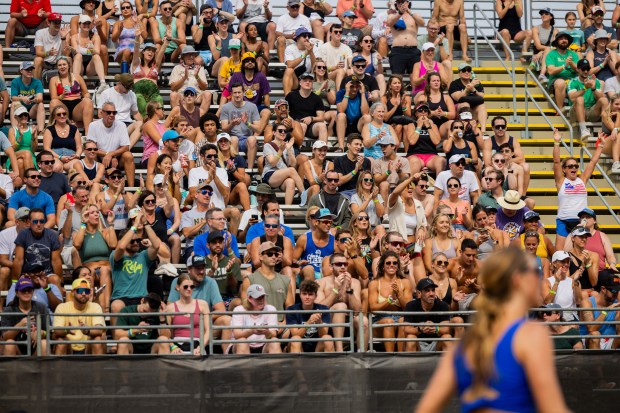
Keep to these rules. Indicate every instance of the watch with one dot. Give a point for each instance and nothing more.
(349, 291)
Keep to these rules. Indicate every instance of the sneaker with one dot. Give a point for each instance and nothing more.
(585, 135)
(615, 168)
(543, 79)
(102, 86)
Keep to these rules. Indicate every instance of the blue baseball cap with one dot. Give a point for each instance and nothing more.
(587, 211)
(170, 134)
(349, 13)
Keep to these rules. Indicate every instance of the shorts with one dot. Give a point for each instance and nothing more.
(565, 226)
(309, 133)
(424, 157)
(129, 301)
(261, 28)
(243, 143)
(456, 32)
(86, 58)
(591, 114)
(65, 254)
(262, 107)
(30, 30)
(288, 42)
(378, 317)
(427, 345)
(64, 151)
(465, 303)
(71, 105)
(206, 56)
(317, 275)
(227, 299)
(267, 176)
(513, 31)
(402, 59)
(253, 350)
(352, 127)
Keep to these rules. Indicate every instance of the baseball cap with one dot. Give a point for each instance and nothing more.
(248, 55)
(191, 89)
(463, 66)
(292, 2)
(205, 185)
(306, 75)
(301, 31)
(612, 283)
(234, 44)
(323, 213)
(466, 116)
(20, 110)
(530, 215)
(264, 189)
(22, 212)
(456, 158)
(546, 10)
(133, 212)
(583, 64)
(80, 283)
(169, 134)
(111, 171)
(349, 13)
(387, 140)
(222, 19)
(280, 102)
(425, 283)
(319, 144)
(581, 232)
(256, 291)
(268, 246)
(26, 65)
(54, 17)
(147, 45)
(428, 45)
(84, 18)
(560, 256)
(158, 179)
(125, 79)
(195, 261)
(553, 306)
(24, 283)
(213, 235)
(421, 105)
(595, 9)
(223, 135)
(587, 211)
(358, 58)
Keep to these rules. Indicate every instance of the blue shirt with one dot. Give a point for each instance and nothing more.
(201, 249)
(41, 200)
(207, 290)
(39, 296)
(354, 106)
(258, 230)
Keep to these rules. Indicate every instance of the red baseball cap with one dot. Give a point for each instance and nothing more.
(54, 17)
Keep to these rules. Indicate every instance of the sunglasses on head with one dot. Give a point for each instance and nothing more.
(189, 287)
(167, 9)
(206, 192)
(81, 291)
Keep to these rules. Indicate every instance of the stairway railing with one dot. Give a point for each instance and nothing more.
(511, 70)
(570, 148)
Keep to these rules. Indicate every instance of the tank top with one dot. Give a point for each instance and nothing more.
(572, 198)
(606, 329)
(423, 71)
(91, 173)
(121, 216)
(139, 73)
(595, 244)
(486, 248)
(172, 46)
(399, 109)
(71, 92)
(545, 35)
(193, 118)
(225, 52)
(375, 151)
(511, 21)
(599, 58)
(382, 299)
(541, 251)
(314, 255)
(370, 69)
(126, 40)
(584, 280)
(187, 320)
(150, 146)
(411, 222)
(94, 248)
(495, 145)
(88, 48)
(66, 143)
(315, 176)
(308, 11)
(448, 297)
(465, 150)
(450, 252)
(510, 381)
(424, 145)
(436, 105)
(280, 243)
(564, 297)
(23, 140)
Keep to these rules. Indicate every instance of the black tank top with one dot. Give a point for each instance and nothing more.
(584, 280)
(309, 10)
(203, 44)
(66, 143)
(434, 106)
(91, 173)
(511, 21)
(448, 297)
(461, 151)
(397, 112)
(598, 59)
(424, 145)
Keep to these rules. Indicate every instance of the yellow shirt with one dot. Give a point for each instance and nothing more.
(228, 68)
(541, 251)
(60, 320)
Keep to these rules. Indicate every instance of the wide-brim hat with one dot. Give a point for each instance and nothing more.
(511, 200)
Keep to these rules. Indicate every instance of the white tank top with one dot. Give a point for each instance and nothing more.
(411, 222)
(572, 198)
(564, 297)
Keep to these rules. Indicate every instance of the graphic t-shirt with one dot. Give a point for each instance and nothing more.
(38, 251)
(129, 275)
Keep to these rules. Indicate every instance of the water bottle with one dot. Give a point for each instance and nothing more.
(117, 4)
(124, 67)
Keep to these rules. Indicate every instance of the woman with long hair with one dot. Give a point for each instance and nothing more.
(87, 46)
(314, 170)
(155, 216)
(455, 144)
(460, 208)
(489, 239)
(374, 67)
(422, 148)
(398, 108)
(94, 242)
(377, 131)
(76, 179)
(584, 10)
(325, 88)
(388, 291)
(145, 67)
(234, 164)
(172, 180)
(441, 239)
(504, 362)
(193, 309)
(531, 244)
(99, 25)
(125, 32)
(63, 139)
(89, 166)
(447, 289)
(23, 138)
(441, 105)
(584, 260)
(152, 130)
(367, 199)
(543, 36)
(361, 232)
(70, 90)
(279, 170)
(251, 42)
(509, 28)
(405, 212)
(163, 199)
(427, 64)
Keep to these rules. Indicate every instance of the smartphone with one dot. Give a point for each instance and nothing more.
(98, 290)
(254, 216)
(288, 139)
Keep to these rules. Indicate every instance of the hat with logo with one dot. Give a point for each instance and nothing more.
(23, 284)
(169, 135)
(248, 55)
(20, 110)
(587, 211)
(268, 246)
(256, 291)
(612, 283)
(213, 235)
(546, 10)
(301, 31)
(456, 158)
(22, 212)
(234, 44)
(324, 213)
(581, 232)
(224, 136)
(195, 261)
(466, 116)
(425, 283)
(531, 215)
(80, 283)
(26, 65)
(597, 9)
(54, 17)
(583, 64)
(358, 58)
(319, 144)
(280, 102)
(205, 185)
(349, 13)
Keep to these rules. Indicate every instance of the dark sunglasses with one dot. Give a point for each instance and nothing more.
(423, 110)
(186, 94)
(81, 291)
(167, 9)
(38, 221)
(499, 161)
(423, 186)
(211, 156)
(47, 162)
(206, 192)
(35, 176)
(175, 140)
(80, 183)
(321, 67)
(149, 202)
(440, 262)
(397, 244)
(189, 287)
(91, 149)
(326, 221)
(489, 179)
(368, 180)
(61, 114)
(331, 179)
(337, 31)
(281, 130)
(23, 115)
(367, 41)
(129, 8)
(391, 263)
(363, 218)
(110, 112)
(340, 264)
(271, 226)
(113, 177)
(135, 241)
(271, 254)
(467, 69)
(460, 163)
(27, 291)
(572, 166)
(457, 127)
(360, 66)
(500, 127)
(454, 186)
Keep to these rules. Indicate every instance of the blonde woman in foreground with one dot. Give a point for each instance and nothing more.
(504, 362)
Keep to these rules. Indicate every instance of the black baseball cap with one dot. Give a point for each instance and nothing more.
(424, 283)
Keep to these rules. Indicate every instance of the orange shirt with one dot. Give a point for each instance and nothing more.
(32, 20)
(360, 21)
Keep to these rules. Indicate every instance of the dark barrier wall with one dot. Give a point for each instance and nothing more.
(299, 384)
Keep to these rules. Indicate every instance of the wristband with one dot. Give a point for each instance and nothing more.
(200, 26)
(148, 16)
(418, 131)
(83, 226)
(556, 143)
(47, 289)
(437, 330)
(388, 173)
(173, 347)
(346, 97)
(353, 172)
(376, 201)
(391, 300)
(552, 292)
(604, 313)
(138, 191)
(335, 291)
(131, 335)
(218, 48)
(134, 229)
(588, 266)
(170, 231)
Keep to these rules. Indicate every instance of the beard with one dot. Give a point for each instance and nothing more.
(562, 46)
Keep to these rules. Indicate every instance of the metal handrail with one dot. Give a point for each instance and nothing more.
(512, 74)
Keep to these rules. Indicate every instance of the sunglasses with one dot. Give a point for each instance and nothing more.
(454, 186)
(363, 218)
(129, 8)
(321, 67)
(326, 221)
(466, 70)
(367, 40)
(189, 287)
(212, 156)
(38, 221)
(499, 127)
(186, 94)
(499, 161)
(457, 127)
(337, 32)
(460, 163)
(332, 179)
(23, 115)
(110, 112)
(344, 239)
(281, 130)
(47, 162)
(271, 226)
(423, 186)
(340, 264)
(167, 9)
(270, 254)
(368, 180)
(397, 244)
(572, 166)
(34, 176)
(206, 192)
(490, 179)
(81, 291)
(116, 177)
(360, 66)
(80, 183)
(442, 263)
(391, 263)
(91, 149)
(135, 241)
(423, 110)
(149, 202)
(61, 115)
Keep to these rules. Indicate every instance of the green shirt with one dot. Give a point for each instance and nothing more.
(589, 99)
(566, 343)
(221, 276)
(554, 58)
(276, 289)
(131, 321)
(130, 275)
(487, 200)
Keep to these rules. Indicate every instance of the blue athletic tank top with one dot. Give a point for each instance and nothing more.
(606, 329)
(510, 382)
(314, 254)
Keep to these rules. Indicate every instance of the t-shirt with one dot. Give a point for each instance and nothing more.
(199, 175)
(6, 183)
(287, 24)
(189, 219)
(56, 185)
(258, 230)
(343, 165)
(283, 160)
(589, 31)
(293, 318)
(561, 343)
(179, 71)
(579, 37)
(109, 139)
(354, 106)
(126, 103)
(32, 20)
(240, 319)
(416, 305)
(369, 81)
(292, 52)
(230, 111)
(76, 222)
(360, 20)
(469, 183)
(277, 289)
(513, 226)
(201, 249)
(612, 85)
(351, 37)
(38, 251)
(221, 276)
(254, 12)
(43, 38)
(380, 166)
(17, 316)
(134, 320)
(589, 99)
(554, 58)
(334, 55)
(129, 275)
(41, 200)
(458, 86)
(19, 88)
(207, 290)
(7, 241)
(228, 68)
(253, 90)
(39, 296)
(488, 200)
(62, 320)
(301, 107)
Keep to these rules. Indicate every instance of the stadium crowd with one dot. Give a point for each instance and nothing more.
(117, 192)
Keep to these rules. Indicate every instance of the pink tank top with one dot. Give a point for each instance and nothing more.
(185, 320)
(421, 86)
(150, 146)
(595, 244)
